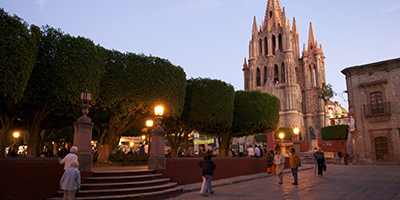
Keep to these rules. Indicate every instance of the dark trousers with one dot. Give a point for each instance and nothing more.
(294, 173)
(320, 166)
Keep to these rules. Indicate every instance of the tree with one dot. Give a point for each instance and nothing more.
(18, 51)
(325, 90)
(208, 105)
(65, 66)
(131, 86)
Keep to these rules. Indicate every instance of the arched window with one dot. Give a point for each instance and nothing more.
(280, 43)
(266, 46)
(265, 74)
(377, 103)
(258, 78)
(276, 74)
(273, 45)
(283, 72)
(260, 46)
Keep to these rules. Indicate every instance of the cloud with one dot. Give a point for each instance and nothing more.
(390, 8)
(41, 3)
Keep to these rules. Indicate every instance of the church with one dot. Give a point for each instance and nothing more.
(276, 66)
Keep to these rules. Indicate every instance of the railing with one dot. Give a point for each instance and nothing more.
(380, 108)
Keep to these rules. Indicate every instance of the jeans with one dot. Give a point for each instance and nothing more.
(320, 166)
(206, 185)
(294, 173)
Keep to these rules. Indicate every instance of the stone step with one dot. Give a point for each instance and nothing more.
(99, 186)
(123, 173)
(159, 195)
(113, 179)
(124, 191)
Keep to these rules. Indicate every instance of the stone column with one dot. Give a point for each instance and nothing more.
(157, 158)
(296, 145)
(82, 139)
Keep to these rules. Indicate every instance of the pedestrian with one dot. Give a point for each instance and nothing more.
(294, 164)
(71, 181)
(69, 158)
(256, 151)
(279, 161)
(345, 155)
(270, 161)
(340, 155)
(320, 157)
(241, 150)
(250, 151)
(207, 170)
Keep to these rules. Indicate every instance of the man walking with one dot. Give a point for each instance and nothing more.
(294, 164)
(320, 157)
(279, 161)
(207, 168)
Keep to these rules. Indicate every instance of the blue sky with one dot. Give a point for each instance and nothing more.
(210, 38)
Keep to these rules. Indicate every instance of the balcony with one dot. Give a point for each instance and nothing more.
(377, 112)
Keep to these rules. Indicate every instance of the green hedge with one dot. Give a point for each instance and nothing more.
(287, 131)
(336, 132)
(261, 137)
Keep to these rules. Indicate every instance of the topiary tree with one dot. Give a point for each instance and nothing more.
(18, 52)
(131, 86)
(285, 130)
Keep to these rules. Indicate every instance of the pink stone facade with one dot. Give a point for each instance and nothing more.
(373, 93)
(276, 66)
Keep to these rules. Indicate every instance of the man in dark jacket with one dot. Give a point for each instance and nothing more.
(207, 168)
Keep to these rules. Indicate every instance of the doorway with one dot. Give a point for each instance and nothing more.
(381, 149)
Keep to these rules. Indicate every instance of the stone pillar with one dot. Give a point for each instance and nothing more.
(82, 139)
(157, 158)
(296, 145)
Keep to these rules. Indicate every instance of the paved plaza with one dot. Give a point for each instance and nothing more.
(339, 182)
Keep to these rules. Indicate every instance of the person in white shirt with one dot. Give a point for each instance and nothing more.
(250, 151)
(279, 161)
(256, 151)
(71, 181)
(69, 158)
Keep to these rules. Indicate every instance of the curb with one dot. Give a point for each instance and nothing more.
(237, 179)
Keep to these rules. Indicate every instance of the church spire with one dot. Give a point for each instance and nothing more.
(294, 29)
(274, 14)
(311, 39)
(255, 29)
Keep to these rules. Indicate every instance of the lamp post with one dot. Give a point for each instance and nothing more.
(149, 124)
(157, 158)
(15, 145)
(296, 143)
(283, 149)
(16, 136)
(83, 134)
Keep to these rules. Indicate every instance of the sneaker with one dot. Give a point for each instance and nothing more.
(212, 192)
(280, 183)
(295, 183)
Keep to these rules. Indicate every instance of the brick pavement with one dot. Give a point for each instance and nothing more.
(339, 182)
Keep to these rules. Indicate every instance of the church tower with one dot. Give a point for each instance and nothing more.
(275, 67)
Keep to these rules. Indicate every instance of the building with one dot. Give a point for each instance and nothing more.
(276, 66)
(337, 114)
(374, 106)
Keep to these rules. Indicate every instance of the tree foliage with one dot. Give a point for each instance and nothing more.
(131, 86)
(325, 90)
(287, 131)
(18, 52)
(335, 132)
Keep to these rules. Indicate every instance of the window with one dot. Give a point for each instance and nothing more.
(266, 46)
(258, 78)
(276, 74)
(377, 103)
(283, 72)
(273, 44)
(260, 46)
(280, 43)
(265, 74)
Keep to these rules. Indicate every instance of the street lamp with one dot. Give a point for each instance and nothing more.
(281, 135)
(149, 124)
(296, 132)
(16, 136)
(157, 159)
(158, 110)
(296, 142)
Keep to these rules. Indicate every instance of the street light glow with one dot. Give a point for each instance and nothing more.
(16, 134)
(143, 137)
(159, 110)
(149, 123)
(281, 135)
(296, 131)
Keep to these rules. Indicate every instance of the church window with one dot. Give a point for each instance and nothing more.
(276, 74)
(260, 46)
(280, 43)
(314, 77)
(273, 44)
(266, 46)
(265, 74)
(283, 72)
(377, 103)
(270, 14)
(258, 78)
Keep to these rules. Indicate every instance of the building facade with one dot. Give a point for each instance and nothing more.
(337, 114)
(374, 105)
(276, 66)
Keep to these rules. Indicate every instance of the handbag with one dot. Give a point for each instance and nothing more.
(324, 168)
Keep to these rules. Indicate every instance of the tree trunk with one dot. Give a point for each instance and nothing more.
(106, 149)
(186, 140)
(6, 124)
(34, 131)
(224, 145)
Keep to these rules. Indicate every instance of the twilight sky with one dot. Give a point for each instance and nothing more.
(210, 38)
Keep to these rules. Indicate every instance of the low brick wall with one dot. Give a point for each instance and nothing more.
(187, 170)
